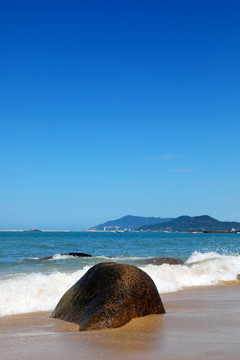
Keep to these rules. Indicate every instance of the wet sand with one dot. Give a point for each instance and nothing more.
(200, 323)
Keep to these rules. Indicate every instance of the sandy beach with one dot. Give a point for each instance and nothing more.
(200, 323)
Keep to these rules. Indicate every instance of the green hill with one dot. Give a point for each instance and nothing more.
(129, 222)
(188, 223)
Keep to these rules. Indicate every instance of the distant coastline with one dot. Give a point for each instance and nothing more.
(184, 223)
(20, 230)
(130, 223)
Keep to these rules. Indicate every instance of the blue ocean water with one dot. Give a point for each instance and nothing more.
(30, 284)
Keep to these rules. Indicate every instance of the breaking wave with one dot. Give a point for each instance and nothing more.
(41, 292)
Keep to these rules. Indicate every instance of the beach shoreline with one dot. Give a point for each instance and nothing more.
(200, 323)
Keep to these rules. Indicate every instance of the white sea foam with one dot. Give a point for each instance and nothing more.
(197, 256)
(41, 292)
(35, 292)
(61, 257)
(200, 269)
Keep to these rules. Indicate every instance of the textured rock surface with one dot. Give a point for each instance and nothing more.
(160, 261)
(109, 295)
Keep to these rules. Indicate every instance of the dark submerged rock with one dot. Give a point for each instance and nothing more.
(77, 254)
(160, 261)
(109, 295)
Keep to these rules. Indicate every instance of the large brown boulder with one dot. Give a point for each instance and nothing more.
(109, 295)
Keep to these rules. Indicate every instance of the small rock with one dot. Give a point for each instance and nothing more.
(160, 261)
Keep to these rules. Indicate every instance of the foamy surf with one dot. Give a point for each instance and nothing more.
(41, 292)
(200, 269)
(68, 256)
(35, 292)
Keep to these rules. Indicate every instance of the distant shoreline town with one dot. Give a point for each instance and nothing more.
(203, 223)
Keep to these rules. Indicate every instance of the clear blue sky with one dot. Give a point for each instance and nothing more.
(111, 108)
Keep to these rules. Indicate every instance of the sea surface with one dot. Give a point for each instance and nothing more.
(29, 284)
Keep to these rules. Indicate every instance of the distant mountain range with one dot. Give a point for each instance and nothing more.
(130, 222)
(188, 223)
(182, 223)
